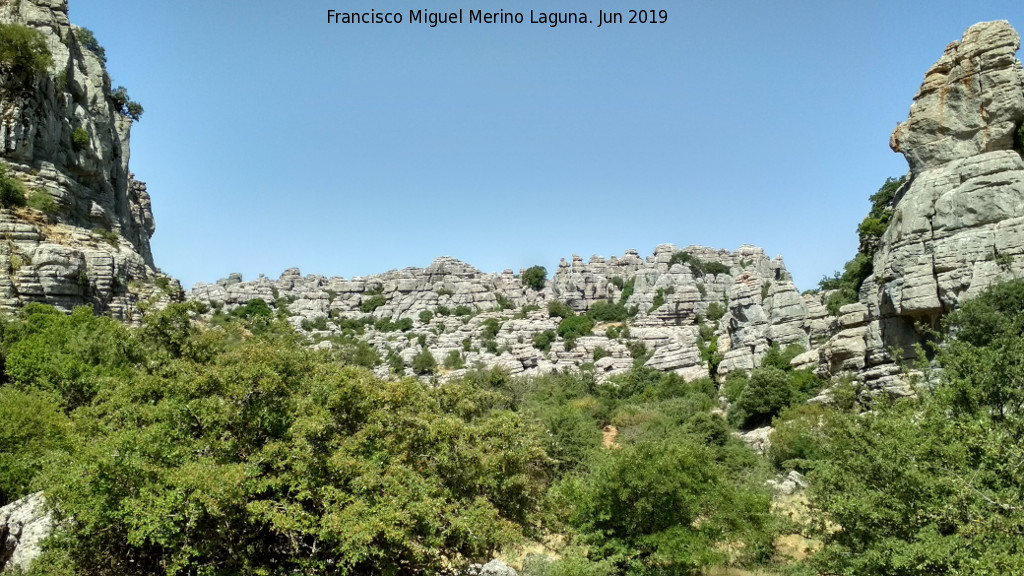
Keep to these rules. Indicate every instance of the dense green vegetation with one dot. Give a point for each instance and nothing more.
(125, 105)
(181, 449)
(186, 448)
(87, 40)
(698, 267)
(12, 191)
(79, 139)
(23, 50)
(534, 277)
(846, 284)
(932, 484)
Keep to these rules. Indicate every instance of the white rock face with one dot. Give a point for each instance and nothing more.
(56, 258)
(758, 301)
(958, 224)
(24, 524)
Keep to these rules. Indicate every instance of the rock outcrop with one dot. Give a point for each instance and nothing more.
(745, 302)
(24, 524)
(958, 221)
(64, 135)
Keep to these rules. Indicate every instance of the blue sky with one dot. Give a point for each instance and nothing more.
(272, 139)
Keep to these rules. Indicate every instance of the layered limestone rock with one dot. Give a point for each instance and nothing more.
(958, 222)
(94, 248)
(24, 524)
(747, 306)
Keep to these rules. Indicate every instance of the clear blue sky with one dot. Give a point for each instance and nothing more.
(273, 139)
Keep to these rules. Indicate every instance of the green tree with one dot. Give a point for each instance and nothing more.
(575, 326)
(23, 49)
(424, 362)
(663, 507)
(535, 277)
(559, 309)
(765, 395)
(87, 40)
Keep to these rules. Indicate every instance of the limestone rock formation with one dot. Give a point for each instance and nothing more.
(94, 247)
(24, 524)
(958, 224)
(746, 300)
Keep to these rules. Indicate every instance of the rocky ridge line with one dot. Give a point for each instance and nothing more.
(759, 302)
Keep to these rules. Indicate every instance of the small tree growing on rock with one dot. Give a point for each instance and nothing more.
(534, 277)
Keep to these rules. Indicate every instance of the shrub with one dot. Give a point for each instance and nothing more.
(426, 316)
(765, 290)
(491, 327)
(712, 429)
(108, 236)
(575, 326)
(12, 191)
(627, 291)
(796, 441)
(687, 259)
(42, 201)
(79, 139)
(443, 311)
(664, 507)
(735, 382)
(846, 284)
(32, 424)
(388, 325)
(502, 301)
(491, 346)
(463, 310)
(542, 340)
(424, 362)
(571, 436)
(454, 360)
(767, 393)
(88, 41)
(125, 105)
(372, 303)
(605, 311)
(600, 352)
(617, 281)
(659, 299)
(779, 358)
(355, 352)
(534, 277)
(872, 227)
(526, 309)
(697, 266)
(714, 268)
(255, 308)
(320, 323)
(559, 309)
(715, 311)
(638, 351)
(23, 49)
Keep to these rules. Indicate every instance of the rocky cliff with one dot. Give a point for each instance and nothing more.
(734, 303)
(958, 221)
(64, 134)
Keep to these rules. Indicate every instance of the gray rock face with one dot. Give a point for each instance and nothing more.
(756, 299)
(958, 223)
(57, 258)
(24, 524)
